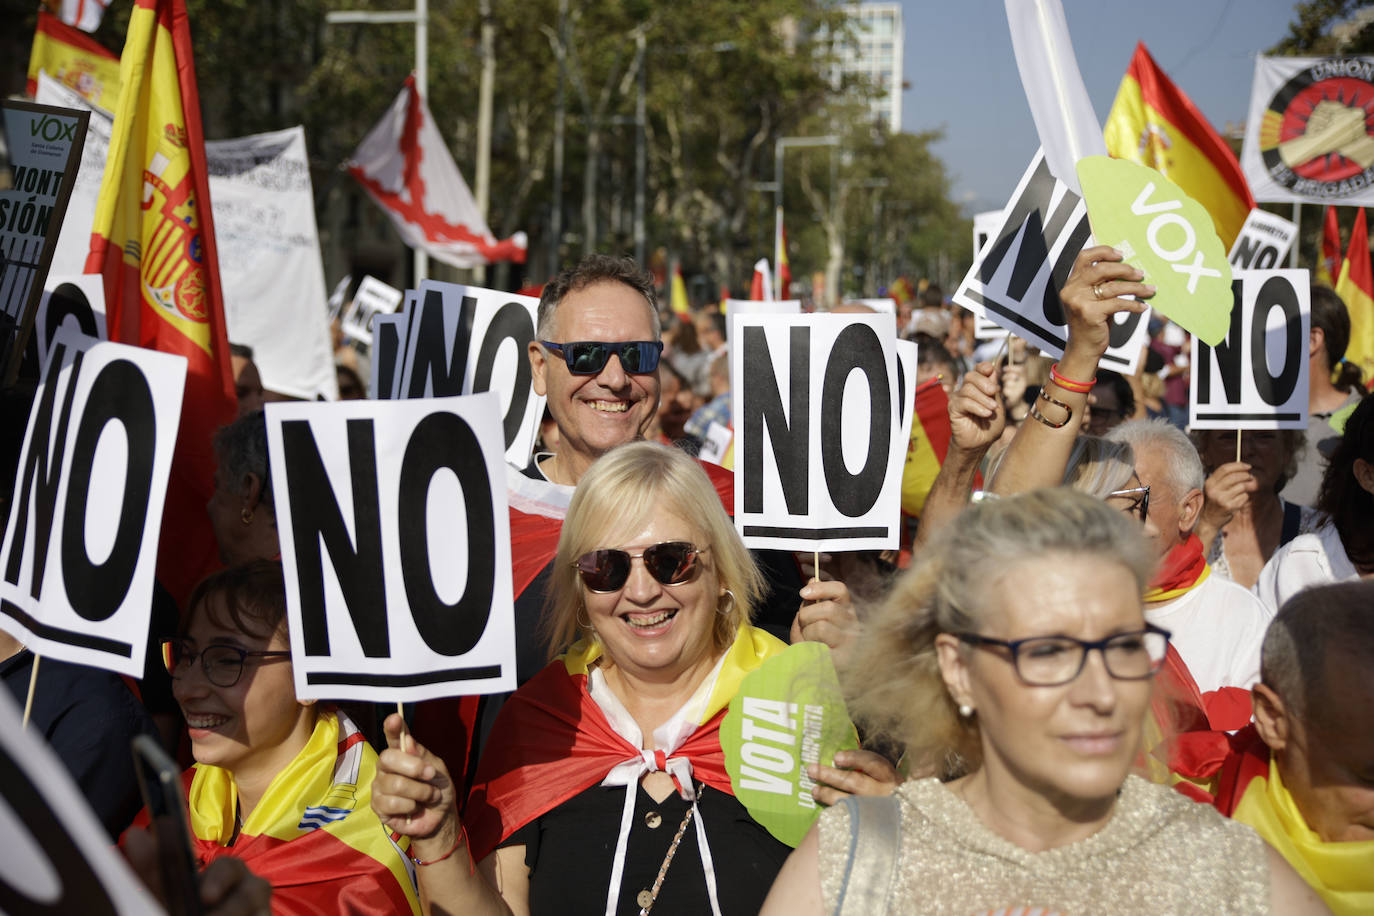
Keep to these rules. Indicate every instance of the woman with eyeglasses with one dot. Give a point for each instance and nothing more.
(278, 782)
(1014, 662)
(602, 788)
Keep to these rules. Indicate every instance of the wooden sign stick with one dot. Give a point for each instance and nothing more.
(33, 683)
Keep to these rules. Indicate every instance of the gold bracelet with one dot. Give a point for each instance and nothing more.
(1035, 411)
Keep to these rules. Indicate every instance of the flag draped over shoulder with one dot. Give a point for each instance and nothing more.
(74, 59)
(1355, 286)
(1152, 122)
(1330, 264)
(406, 167)
(154, 242)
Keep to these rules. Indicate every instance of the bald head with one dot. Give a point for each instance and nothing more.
(1295, 658)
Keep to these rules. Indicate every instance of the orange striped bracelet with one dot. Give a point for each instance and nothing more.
(1069, 384)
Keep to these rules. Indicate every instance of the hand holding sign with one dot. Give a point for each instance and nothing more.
(976, 414)
(1099, 287)
(1166, 234)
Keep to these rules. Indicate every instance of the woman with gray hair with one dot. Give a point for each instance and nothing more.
(603, 787)
(1014, 662)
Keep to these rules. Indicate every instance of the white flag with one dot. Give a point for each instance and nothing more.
(404, 164)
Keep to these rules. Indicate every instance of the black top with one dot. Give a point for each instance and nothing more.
(571, 849)
(89, 717)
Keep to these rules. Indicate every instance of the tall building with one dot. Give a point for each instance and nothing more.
(876, 52)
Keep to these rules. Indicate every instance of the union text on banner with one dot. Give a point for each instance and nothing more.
(395, 538)
(74, 59)
(81, 537)
(406, 167)
(819, 421)
(1308, 137)
(58, 858)
(1152, 122)
(1256, 378)
(1016, 280)
(153, 240)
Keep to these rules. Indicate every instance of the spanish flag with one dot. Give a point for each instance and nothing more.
(1330, 262)
(74, 59)
(1152, 122)
(925, 453)
(1356, 288)
(677, 294)
(154, 242)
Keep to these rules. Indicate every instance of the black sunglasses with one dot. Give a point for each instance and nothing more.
(223, 665)
(606, 570)
(589, 357)
(1140, 501)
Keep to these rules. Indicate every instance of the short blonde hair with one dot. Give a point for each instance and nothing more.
(614, 499)
(1099, 467)
(892, 678)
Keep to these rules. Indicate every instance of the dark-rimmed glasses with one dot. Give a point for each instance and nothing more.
(608, 569)
(1049, 661)
(1140, 501)
(589, 357)
(223, 665)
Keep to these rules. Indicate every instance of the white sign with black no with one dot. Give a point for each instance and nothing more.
(1263, 241)
(76, 301)
(395, 539)
(1258, 377)
(372, 298)
(819, 417)
(1016, 279)
(80, 542)
(466, 340)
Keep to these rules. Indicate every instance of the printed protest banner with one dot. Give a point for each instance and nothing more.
(715, 446)
(76, 301)
(395, 538)
(372, 298)
(44, 146)
(1257, 378)
(74, 239)
(1308, 138)
(81, 536)
(881, 304)
(274, 293)
(58, 857)
(1166, 234)
(1016, 280)
(1263, 241)
(465, 340)
(818, 419)
(789, 713)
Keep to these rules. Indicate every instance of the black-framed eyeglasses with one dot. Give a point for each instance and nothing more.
(1049, 661)
(589, 357)
(223, 665)
(608, 569)
(1140, 501)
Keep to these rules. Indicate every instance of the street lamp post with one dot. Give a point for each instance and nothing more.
(779, 148)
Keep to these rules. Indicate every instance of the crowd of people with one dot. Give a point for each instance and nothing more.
(1114, 668)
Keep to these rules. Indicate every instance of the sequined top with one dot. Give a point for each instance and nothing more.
(1160, 853)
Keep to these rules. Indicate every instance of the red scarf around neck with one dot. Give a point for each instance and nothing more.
(1181, 570)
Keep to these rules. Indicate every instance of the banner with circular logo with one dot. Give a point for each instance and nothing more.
(1309, 137)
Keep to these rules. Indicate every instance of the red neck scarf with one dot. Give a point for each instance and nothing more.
(1183, 569)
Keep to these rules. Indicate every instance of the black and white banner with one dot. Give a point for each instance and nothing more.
(395, 538)
(1016, 280)
(80, 542)
(1258, 377)
(1263, 242)
(76, 301)
(819, 419)
(372, 298)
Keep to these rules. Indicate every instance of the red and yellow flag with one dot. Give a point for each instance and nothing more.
(1355, 286)
(780, 258)
(1330, 262)
(154, 242)
(1152, 122)
(74, 59)
(925, 453)
(677, 293)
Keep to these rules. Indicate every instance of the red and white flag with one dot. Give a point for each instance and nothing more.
(84, 14)
(404, 164)
(761, 288)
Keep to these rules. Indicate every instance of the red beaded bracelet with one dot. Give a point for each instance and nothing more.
(461, 841)
(1069, 384)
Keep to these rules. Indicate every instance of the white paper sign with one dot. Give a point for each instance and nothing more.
(58, 857)
(465, 340)
(80, 542)
(716, 443)
(372, 298)
(880, 305)
(985, 225)
(906, 372)
(76, 301)
(395, 540)
(818, 431)
(1263, 241)
(335, 303)
(388, 338)
(1016, 280)
(1258, 377)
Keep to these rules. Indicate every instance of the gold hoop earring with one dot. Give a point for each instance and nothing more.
(729, 610)
(246, 516)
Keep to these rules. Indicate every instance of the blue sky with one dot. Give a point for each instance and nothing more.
(962, 72)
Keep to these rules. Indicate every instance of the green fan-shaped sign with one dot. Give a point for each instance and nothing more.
(788, 713)
(1168, 235)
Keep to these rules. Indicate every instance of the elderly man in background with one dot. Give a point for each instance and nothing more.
(1303, 774)
(1217, 626)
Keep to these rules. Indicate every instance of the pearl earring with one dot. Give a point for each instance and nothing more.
(965, 710)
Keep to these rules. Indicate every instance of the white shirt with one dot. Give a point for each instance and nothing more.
(1311, 559)
(1217, 629)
